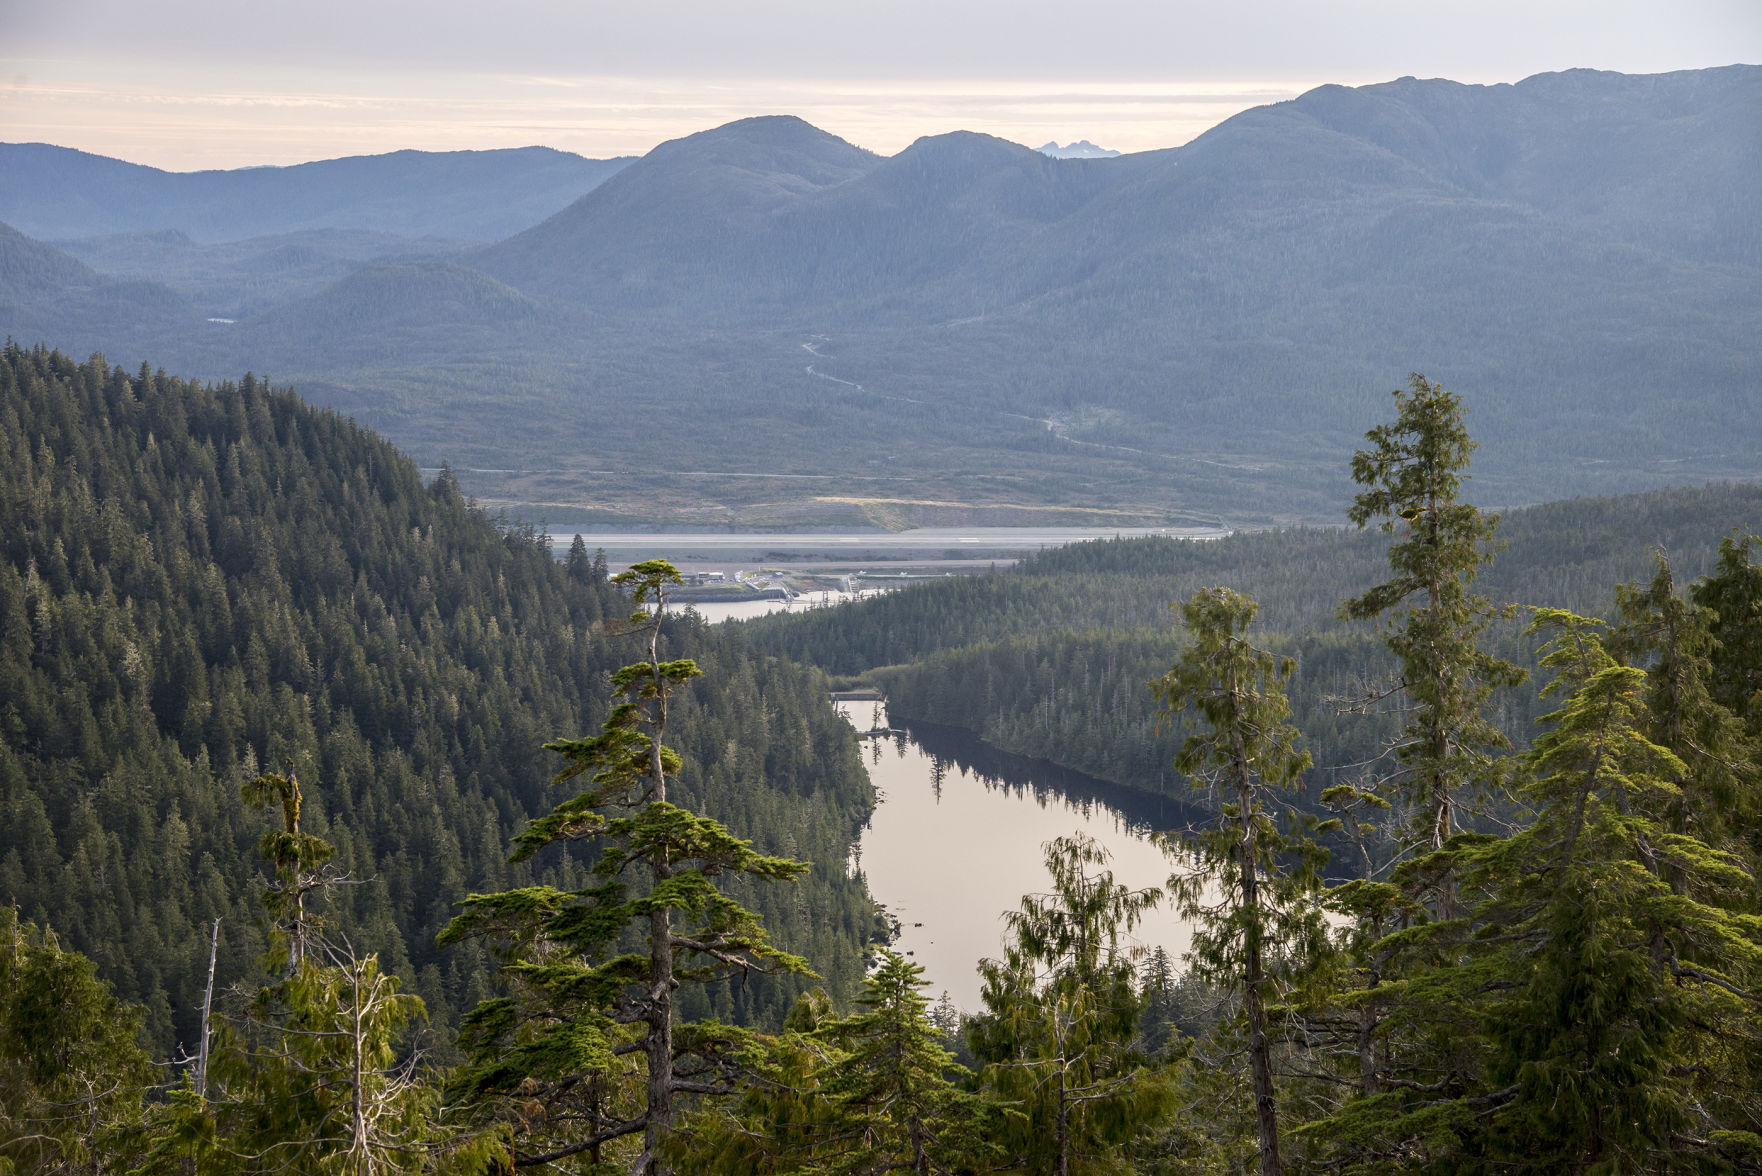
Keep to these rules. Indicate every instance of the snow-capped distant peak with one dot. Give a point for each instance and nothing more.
(1081, 149)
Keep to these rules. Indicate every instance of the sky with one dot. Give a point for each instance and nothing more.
(189, 84)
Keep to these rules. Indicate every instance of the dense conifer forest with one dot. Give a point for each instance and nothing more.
(200, 583)
(261, 683)
(1049, 657)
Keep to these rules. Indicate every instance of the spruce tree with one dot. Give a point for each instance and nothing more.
(1252, 889)
(595, 970)
(1412, 474)
(71, 1074)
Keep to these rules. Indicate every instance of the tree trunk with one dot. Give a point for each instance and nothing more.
(659, 1014)
(207, 1013)
(1063, 1120)
(1369, 1014)
(659, 1019)
(1259, 1051)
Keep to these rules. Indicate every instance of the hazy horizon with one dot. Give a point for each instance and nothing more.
(195, 84)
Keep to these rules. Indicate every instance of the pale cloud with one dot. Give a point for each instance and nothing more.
(279, 116)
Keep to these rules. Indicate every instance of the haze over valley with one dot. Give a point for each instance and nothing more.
(762, 324)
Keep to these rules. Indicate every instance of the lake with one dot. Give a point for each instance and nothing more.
(956, 837)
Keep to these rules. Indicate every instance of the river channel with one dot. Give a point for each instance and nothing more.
(956, 837)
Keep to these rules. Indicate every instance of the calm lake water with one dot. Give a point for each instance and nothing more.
(956, 840)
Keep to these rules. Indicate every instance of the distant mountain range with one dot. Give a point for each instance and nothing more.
(765, 317)
(56, 192)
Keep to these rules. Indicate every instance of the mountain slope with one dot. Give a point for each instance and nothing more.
(473, 195)
(642, 238)
(197, 582)
(241, 279)
(45, 291)
(1202, 330)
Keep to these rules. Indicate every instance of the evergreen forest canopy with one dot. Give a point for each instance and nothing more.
(202, 583)
(1180, 334)
(260, 679)
(1048, 657)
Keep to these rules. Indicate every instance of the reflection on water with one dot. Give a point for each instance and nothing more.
(956, 840)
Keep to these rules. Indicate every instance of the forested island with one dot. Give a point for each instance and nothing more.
(342, 829)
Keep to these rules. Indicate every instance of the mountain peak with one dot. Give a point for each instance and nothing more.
(769, 144)
(1081, 149)
(964, 143)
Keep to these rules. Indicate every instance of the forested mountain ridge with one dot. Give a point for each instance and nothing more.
(54, 192)
(1573, 980)
(201, 581)
(1051, 657)
(41, 287)
(693, 199)
(1198, 331)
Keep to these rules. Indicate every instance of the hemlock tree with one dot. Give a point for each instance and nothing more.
(1599, 995)
(552, 1059)
(1253, 891)
(1733, 593)
(1412, 474)
(1672, 640)
(861, 1095)
(71, 1074)
(1627, 1042)
(1058, 1040)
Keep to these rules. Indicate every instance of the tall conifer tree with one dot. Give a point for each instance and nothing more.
(1254, 890)
(1412, 474)
(1058, 1038)
(583, 1001)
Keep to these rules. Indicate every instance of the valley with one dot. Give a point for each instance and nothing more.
(1194, 336)
(770, 656)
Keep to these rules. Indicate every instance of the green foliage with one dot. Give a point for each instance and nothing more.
(1733, 594)
(869, 1093)
(306, 1074)
(1720, 790)
(1413, 473)
(1595, 1008)
(1252, 887)
(593, 970)
(200, 582)
(1058, 1040)
(72, 1073)
(1048, 658)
